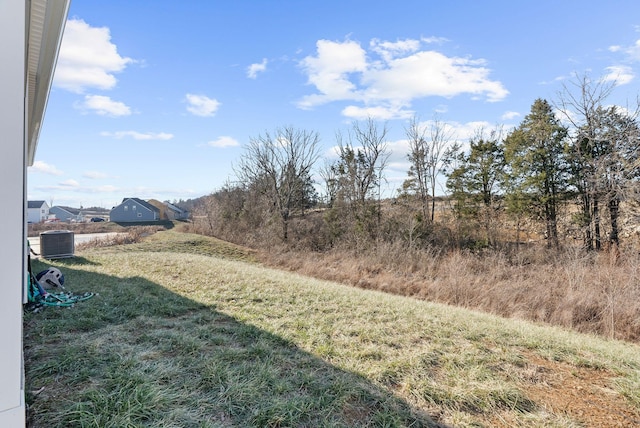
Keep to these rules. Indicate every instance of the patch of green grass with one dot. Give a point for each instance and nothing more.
(185, 332)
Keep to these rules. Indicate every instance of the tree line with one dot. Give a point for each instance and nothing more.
(576, 152)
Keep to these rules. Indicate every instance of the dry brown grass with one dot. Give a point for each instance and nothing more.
(456, 262)
(597, 293)
(34, 229)
(130, 235)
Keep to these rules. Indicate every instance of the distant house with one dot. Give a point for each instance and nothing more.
(176, 213)
(134, 209)
(66, 213)
(162, 208)
(169, 211)
(37, 211)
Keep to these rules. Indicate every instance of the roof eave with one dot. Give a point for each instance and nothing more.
(46, 27)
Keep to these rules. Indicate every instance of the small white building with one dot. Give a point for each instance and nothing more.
(30, 36)
(37, 211)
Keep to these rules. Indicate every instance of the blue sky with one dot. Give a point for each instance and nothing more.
(156, 99)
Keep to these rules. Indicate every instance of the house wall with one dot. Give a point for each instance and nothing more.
(38, 215)
(176, 213)
(171, 215)
(33, 215)
(168, 211)
(61, 214)
(13, 224)
(162, 209)
(131, 211)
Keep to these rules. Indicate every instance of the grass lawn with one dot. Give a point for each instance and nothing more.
(187, 331)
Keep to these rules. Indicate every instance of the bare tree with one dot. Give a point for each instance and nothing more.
(357, 174)
(442, 136)
(604, 153)
(331, 182)
(419, 171)
(429, 148)
(617, 166)
(578, 102)
(363, 157)
(280, 164)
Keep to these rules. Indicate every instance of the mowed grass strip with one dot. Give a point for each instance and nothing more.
(206, 339)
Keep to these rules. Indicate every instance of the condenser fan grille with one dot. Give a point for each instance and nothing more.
(56, 244)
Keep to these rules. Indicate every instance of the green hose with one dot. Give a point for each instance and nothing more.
(65, 299)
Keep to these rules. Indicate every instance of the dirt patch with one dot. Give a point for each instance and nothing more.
(583, 395)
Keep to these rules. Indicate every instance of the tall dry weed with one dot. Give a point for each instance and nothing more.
(593, 293)
(131, 235)
(444, 262)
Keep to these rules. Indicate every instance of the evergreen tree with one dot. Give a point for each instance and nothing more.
(535, 154)
(474, 183)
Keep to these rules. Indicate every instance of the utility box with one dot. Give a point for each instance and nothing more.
(57, 244)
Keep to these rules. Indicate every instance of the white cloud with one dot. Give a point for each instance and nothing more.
(344, 71)
(509, 115)
(104, 106)
(161, 194)
(398, 151)
(390, 50)
(379, 112)
(465, 131)
(94, 175)
(441, 109)
(620, 74)
(633, 51)
(106, 189)
(224, 141)
(138, 135)
(201, 105)
(87, 58)
(39, 166)
(69, 184)
(435, 40)
(254, 69)
(75, 187)
(329, 71)
(430, 73)
(455, 131)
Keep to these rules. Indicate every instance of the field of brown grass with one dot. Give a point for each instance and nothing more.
(492, 264)
(34, 229)
(593, 293)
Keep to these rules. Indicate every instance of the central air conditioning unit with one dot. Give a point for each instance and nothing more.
(56, 244)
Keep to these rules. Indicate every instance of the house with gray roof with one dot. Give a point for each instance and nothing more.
(37, 211)
(176, 213)
(134, 210)
(66, 213)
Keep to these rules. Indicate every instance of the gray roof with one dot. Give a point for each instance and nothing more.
(35, 204)
(175, 208)
(143, 203)
(74, 211)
